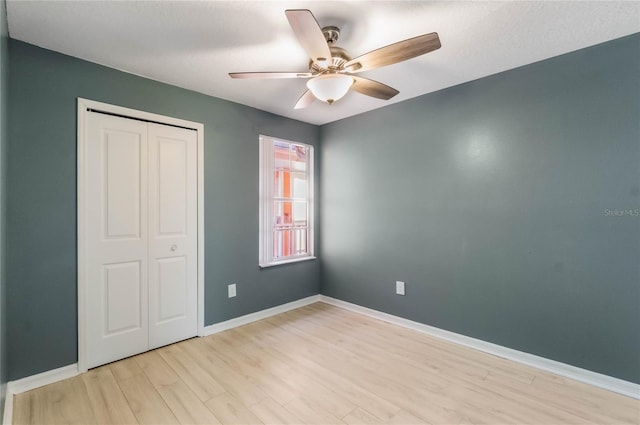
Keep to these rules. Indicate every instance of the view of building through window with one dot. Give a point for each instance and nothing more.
(290, 200)
(286, 173)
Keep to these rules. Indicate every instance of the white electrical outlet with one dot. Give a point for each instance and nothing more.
(399, 287)
(232, 290)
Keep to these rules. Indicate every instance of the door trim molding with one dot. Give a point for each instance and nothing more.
(83, 106)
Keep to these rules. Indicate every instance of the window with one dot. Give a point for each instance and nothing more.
(286, 201)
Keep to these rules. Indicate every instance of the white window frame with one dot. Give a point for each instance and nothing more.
(266, 191)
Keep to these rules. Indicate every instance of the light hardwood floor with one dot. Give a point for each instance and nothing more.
(320, 365)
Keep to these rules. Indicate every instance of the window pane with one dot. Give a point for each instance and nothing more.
(288, 214)
(299, 185)
(281, 155)
(282, 214)
(277, 183)
(300, 241)
(278, 245)
(282, 184)
(300, 213)
(298, 158)
(289, 243)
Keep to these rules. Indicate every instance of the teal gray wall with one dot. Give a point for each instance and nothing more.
(41, 216)
(490, 200)
(4, 78)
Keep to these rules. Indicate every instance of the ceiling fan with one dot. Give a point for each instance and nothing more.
(331, 68)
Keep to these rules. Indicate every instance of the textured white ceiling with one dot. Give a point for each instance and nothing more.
(195, 44)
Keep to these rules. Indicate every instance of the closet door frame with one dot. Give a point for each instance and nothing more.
(84, 105)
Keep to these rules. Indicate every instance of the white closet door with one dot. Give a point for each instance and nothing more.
(117, 220)
(173, 239)
(141, 236)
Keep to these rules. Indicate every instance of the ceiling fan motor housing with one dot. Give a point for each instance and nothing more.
(339, 56)
(331, 34)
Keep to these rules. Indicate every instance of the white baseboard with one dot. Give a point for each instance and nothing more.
(572, 372)
(33, 382)
(7, 418)
(51, 376)
(41, 379)
(610, 383)
(259, 315)
(55, 375)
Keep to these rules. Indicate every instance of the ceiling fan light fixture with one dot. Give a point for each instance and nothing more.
(330, 87)
(331, 67)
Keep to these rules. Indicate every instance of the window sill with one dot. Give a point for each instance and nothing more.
(287, 261)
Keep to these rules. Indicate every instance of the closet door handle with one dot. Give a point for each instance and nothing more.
(174, 247)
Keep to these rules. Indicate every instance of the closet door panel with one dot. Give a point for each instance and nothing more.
(172, 234)
(117, 216)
